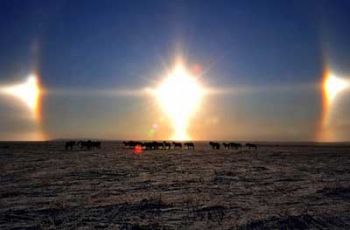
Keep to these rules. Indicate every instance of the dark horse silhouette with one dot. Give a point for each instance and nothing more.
(154, 145)
(189, 145)
(157, 145)
(166, 145)
(226, 145)
(70, 145)
(251, 146)
(235, 145)
(131, 144)
(214, 145)
(85, 144)
(177, 145)
(147, 145)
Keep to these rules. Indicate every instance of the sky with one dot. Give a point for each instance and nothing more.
(266, 61)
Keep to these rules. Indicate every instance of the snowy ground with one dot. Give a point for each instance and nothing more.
(275, 187)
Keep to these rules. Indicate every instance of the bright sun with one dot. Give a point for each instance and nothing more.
(179, 95)
(28, 92)
(333, 86)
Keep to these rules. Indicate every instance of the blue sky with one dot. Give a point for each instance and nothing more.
(89, 45)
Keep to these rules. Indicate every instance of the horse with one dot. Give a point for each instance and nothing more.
(251, 146)
(226, 145)
(214, 145)
(147, 145)
(131, 144)
(177, 145)
(166, 145)
(85, 144)
(89, 144)
(235, 145)
(70, 145)
(189, 145)
(157, 145)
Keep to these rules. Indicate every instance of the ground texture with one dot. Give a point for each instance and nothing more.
(42, 186)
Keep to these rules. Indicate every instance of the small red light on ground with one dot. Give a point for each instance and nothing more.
(138, 149)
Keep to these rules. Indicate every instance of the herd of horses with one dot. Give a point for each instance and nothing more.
(155, 145)
(87, 145)
(233, 145)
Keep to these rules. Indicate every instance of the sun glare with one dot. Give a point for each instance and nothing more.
(179, 95)
(333, 86)
(28, 92)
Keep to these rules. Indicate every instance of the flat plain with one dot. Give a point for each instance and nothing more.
(278, 186)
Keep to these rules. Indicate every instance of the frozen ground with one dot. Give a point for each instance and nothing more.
(276, 187)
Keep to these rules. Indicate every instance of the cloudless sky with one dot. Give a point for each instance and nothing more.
(277, 49)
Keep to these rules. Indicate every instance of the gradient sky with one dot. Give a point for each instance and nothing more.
(267, 56)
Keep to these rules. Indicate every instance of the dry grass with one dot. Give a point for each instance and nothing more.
(44, 187)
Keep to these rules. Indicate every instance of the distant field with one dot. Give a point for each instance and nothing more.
(278, 186)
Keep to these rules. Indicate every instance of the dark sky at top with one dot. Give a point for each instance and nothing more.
(129, 44)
